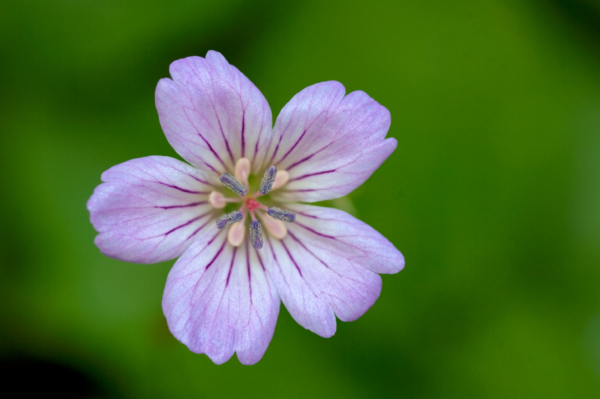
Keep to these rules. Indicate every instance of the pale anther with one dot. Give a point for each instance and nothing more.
(231, 183)
(281, 179)
(228, 219)
(236, 234)
(242, 170)
(282, 214)
(217, 200)
(268, 180)
(275, 228)
(256, 235)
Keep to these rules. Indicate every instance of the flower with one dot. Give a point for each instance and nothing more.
(223, 293)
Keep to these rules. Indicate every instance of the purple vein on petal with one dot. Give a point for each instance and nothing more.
(313, 231)
(304, 190)
(313, 174)
(259, 258)
(182, 206)
(243, 133)
(183, 189)
(276, 149)
(231, 266)
(185, 224)
(197, 230)
(248, 269)
(199, 180)
(210, 167)
(291, 258)
(307, 215)
(223, 135)
(292, 149)
(262, 124)
(216, 255)
(307, 158)
(307, 250)
(205, 141)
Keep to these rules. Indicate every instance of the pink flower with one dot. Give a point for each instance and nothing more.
(223, 293)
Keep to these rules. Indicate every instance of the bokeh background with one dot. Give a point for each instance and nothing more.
(493, 195)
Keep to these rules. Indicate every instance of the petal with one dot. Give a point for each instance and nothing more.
(219, 300)
(346, 235)
(328, 264)
(149, 209)
(328, 143)
(212, 114)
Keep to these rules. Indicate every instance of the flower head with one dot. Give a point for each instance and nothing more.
(233, 214)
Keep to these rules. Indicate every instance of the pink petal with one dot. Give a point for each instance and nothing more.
(346, 235)
(149, 209)
(212, 114)
(328, 264)
(219, 300)
(329, 143)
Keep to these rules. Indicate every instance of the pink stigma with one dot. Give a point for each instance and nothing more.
(252, 204)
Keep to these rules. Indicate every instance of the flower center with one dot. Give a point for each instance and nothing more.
(273, 216)
(252, 204)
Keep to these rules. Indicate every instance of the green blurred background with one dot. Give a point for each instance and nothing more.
(493, 194)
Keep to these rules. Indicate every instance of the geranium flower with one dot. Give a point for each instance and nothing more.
(235, 214)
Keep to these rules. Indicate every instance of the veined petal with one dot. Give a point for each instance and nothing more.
(219, 300)
(212, 114)
(149, 209)
(329, 143)
(346, 235)
(328, 264)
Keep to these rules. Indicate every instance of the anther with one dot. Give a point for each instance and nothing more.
(231, 183)
(267, 181)
(228, 219)
(275, 228)
(242, 170)
(281, 179)
(282, 214)
(217, 200)
(256, 235)
(236, 233)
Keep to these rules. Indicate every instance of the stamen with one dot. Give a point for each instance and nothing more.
(282, 214)
(228, 219)
(231, 183)
(267, 180)
(275, 228)
(242, 170)
(236, 233)
(256, 235)
(217, 200)
(281, 179)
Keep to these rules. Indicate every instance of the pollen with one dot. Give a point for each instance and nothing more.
(231, 183)
(282, 214)
(256, 235)
(228, 219)
(268, 179)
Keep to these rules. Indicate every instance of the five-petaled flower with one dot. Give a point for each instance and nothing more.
(234, 215)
